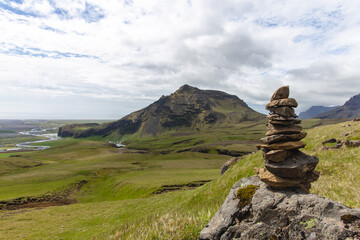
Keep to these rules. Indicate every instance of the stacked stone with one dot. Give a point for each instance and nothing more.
(285, 165)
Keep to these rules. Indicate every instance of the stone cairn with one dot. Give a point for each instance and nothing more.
(285, 165)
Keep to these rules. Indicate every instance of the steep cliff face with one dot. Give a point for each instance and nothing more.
(351, 109)
(71, 130)
(188, 108)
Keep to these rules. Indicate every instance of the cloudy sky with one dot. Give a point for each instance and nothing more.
(104, 59)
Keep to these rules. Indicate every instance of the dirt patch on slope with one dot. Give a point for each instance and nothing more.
(46, 200)
(182, 142)
(178, 187)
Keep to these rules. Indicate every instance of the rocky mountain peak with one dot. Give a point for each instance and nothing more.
(353, 102)
(187, 109)
(186, 89)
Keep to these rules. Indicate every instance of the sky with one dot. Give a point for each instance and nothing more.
(96, 59)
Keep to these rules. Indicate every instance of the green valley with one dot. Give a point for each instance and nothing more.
(152, 190)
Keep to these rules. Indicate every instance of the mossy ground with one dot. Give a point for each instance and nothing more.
(118, 202)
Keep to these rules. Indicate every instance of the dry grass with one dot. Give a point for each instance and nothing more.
(339, 168)
(164, 226)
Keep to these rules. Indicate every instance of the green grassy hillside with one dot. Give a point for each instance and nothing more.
(119, 201)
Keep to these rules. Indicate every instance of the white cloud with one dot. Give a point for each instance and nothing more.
(139, 50)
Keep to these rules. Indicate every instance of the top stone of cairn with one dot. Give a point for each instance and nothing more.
(281, 93)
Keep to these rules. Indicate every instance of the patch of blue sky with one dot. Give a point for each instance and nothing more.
(315, 39)
(322, 20)
(8, 7)
(300, 38)
(339, 51)
(57, 54)
(92, 13)
(15, 1)
(45, 27)
(62, 13)
(128, 2)
(36, 52)
(335, 14)
(21, 51)
(268, 22)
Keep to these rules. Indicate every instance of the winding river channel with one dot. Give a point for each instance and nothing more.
(32, 144)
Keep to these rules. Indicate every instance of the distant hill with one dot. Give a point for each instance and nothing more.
(351, 109)
(188, 108)
(315, 110)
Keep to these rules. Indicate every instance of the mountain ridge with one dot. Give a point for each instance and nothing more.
(188, 108)
(315, 110)
(351, 109)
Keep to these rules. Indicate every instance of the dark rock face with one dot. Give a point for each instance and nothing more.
(72, 129)
(122, 126)
(187, 108)
(294, 166)
(276, 155)
(283, 138)
(282, 214)
(351, 109)
(286, 112)
(227, 165)
(273, 129)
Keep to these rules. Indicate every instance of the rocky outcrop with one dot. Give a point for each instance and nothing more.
(285, 165)
(347, 143)
(228, 164)
(254, 211)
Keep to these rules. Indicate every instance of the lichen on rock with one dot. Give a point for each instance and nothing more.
(245, 194)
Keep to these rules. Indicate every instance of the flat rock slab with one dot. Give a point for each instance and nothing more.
(276, 155)
(285, 123)
(278, 129)
(286, 112)
(282, 146)
(278, 182)
(281, 93)
(281, 214)
(294, 166)
(280, 118)
(283, 138)
(290, 102)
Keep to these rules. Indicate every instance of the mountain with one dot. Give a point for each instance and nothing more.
(188, 108)
(315, 110)
(351, 109)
